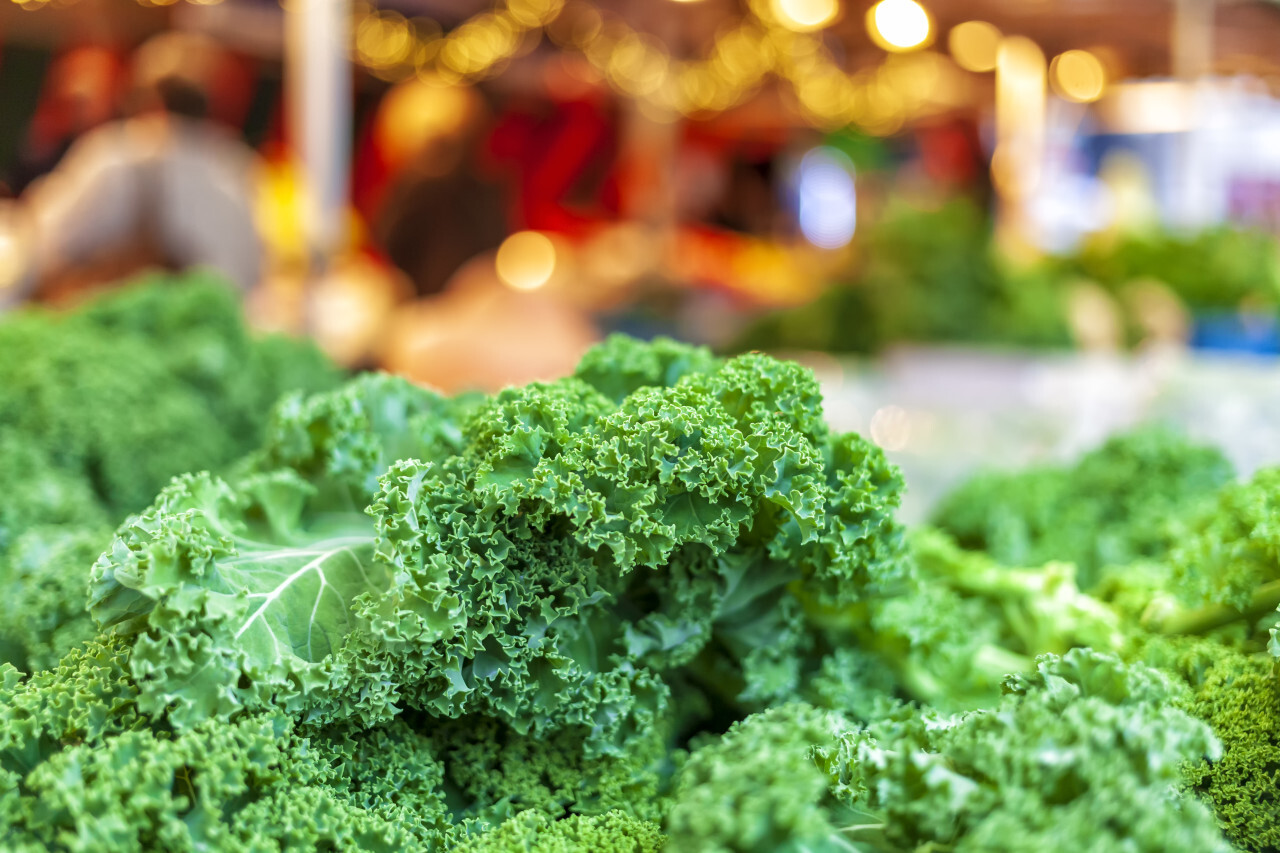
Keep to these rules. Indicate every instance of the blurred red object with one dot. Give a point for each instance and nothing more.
(80, 92)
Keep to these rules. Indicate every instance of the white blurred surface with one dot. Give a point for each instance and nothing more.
(942, 414)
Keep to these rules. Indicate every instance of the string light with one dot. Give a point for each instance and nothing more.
(974, 45)
(1077, 75)
(898, 25)
(774, 37)
(526, 260)
(639, 66)
(394, 47)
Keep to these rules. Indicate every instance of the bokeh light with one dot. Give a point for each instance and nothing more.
(418, 111)
(891, 428)
(898, 24)
(1148, 106)
(805, 15)
(526, 260)
(1078, 75)
(13, 259)
(826, 198)
(974, 45)
(1020, 116)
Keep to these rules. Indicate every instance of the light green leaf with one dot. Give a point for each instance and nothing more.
(235, 603)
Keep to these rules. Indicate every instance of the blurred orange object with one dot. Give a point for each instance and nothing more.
(482, 335)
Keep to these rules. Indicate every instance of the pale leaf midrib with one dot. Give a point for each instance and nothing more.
(315, 565)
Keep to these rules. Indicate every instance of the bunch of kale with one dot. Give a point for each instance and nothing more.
(653, 605)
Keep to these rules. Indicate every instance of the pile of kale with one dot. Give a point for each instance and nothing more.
(654, 605)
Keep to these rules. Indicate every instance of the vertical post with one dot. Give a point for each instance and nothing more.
(1018, 159)
(318, 87)
(650, 146)
(1192, 38)
(1191, 51)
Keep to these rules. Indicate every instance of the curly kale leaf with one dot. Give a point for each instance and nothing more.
(86, 698)
(233, 598)
(757, 788)
(1081, 754)
(1239, 700)
(42, 580)
(241, 786)
(342, 441)
(548, 557)
(178, 351)
(533, 832)
(493, 773)
(622, 365)
(83, 769)
(1121, 503)
(1233, 548)
(40, 492)
(963, 623)
(594, 544)
(100, 408)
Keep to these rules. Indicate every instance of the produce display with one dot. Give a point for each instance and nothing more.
(654, 605)
(925, 274)
(1217, 268)
(1118, 505)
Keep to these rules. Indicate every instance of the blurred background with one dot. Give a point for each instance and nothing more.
(997, 230)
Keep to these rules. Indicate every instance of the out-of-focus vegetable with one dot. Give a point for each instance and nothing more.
(1124, 502)
(98, 409)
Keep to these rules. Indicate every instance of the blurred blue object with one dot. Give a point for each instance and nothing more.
(1237, 331)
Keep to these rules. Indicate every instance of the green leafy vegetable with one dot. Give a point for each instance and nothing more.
(757, 788)
(1120, 504)
(1081, 754)
(1233, 549)
(1239, 699)
(100, 407)
(534, 832)
(657, 604)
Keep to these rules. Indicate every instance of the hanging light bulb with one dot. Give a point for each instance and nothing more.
(898, 25)
(526, 260)
(1077, 75)
(974, 45)
(805, 15)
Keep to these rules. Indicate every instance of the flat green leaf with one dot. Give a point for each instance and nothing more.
(236, 603)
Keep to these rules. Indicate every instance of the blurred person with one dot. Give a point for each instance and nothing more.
(440, 219)
(163, 187)
(430, 205)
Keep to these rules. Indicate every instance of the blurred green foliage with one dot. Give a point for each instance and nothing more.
(933, 274)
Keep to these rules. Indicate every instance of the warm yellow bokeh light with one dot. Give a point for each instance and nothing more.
(13, 260)
(1077, 75)
(1019, 59)
(419, 111)
(1020, 117)
(526, 260)
(898, 24)
(974, 45)
(805, 15)
(1155, 106)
